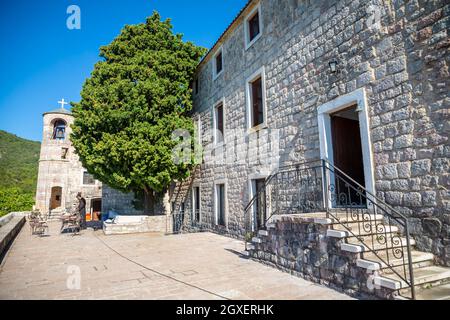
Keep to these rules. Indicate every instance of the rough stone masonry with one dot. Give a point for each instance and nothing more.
(397, 51)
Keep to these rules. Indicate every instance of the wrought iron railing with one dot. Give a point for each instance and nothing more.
(370, 220)
(291, 189)
(321, 187)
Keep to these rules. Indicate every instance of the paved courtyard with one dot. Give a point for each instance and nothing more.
(143, 266)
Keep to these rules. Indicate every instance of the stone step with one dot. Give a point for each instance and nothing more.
(263, 233)
(416, 256)
(380, 247)
(373, 262)
(363, 228)
(441, 292)
(315, 217)
(427, 260)
(250, 246)
(355, 218)
(423, 277)
(342, 232)
(355, 246)
(256, 240)
(271, 225)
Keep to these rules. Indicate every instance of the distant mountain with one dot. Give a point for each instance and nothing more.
(19, 162)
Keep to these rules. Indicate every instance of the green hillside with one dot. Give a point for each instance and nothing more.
(18, 172)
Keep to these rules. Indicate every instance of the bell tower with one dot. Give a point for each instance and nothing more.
(54, 161)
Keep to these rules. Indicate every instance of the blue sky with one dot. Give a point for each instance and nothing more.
(42, 61)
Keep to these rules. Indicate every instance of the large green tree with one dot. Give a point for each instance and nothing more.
(136, 97)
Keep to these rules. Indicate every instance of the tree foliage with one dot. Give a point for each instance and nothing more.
(19, 159)
(135, 98)
(15, 200)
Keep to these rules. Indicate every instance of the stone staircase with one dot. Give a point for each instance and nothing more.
(427, 275)
(55, 214)
(431, 281)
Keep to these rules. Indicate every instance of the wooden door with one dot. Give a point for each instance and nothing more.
(347, 154)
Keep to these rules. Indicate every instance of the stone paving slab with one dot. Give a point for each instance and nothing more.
(144, 266)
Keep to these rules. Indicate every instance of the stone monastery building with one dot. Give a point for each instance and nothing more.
(364, 84)
(337, 106)
(308, 106)
(61, 175)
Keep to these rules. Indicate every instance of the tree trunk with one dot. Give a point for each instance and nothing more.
(149, 201)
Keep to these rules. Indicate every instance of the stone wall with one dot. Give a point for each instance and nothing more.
(10, 226)
(301, 247)
(149, 224)
(396, 50)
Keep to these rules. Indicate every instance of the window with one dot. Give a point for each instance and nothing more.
(59, 130)
(88, 178)
(220, 204)
(64, 152)
(217, 63)
(256, 101)
(253, 26)
(219, 123)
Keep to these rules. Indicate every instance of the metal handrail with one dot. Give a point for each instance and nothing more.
(279, 171)
(378, 230)
(384, 208)
(275, 173)
(363, 188)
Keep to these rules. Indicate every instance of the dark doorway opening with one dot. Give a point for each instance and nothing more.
(196, 198)
(96, 205)
(260, 203)
(220, 196)
(348, 157)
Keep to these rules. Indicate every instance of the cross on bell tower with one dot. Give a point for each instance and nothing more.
(62, 103)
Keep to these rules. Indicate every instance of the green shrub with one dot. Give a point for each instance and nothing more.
(14, 199)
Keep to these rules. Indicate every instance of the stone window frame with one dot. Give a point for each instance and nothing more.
(214, 120)
(248, 42)
(358, 98)
(214, 65)
(216, 211)
(196, 185)
(248, 91)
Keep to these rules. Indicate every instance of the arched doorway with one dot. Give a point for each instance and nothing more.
(56, 198)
